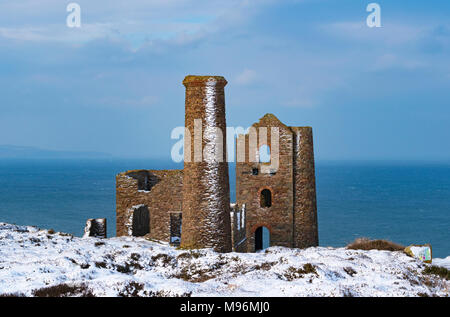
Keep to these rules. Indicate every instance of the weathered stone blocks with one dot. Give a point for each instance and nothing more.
(206, 193)
(191, 207)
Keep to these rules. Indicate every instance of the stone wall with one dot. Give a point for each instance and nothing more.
(95, 228)
(305, 204)
(158, 190)
(206, 192)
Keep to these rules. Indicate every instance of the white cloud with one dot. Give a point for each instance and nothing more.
(400, 45)
(392, 34)
(389, 61)
(137, 21)
(305, 96)
(57, 33)
(140, 102)
(248, 76)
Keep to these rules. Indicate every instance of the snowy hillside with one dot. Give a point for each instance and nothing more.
(32, 259)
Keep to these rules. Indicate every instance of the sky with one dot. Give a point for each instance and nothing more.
(115, 84)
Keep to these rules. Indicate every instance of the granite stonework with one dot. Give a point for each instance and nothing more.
(291, 218)
(158, 191)
(206, 192)
(191, 207)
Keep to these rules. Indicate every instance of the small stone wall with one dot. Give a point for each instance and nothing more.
(95, 228)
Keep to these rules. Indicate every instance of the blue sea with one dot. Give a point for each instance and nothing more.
(403, 202)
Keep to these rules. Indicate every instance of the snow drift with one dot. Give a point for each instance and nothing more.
(32, 260)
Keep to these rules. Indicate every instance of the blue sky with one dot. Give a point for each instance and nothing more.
(114, 85)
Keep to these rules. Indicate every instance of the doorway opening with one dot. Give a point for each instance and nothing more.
(262, 238)
(141, 221)
(175, 228)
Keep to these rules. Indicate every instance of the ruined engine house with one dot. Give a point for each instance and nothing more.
(275, 203)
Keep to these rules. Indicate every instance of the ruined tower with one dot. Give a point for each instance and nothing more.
(279, 200)
(206, 192)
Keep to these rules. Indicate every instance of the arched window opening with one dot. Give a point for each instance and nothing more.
(266, 198)
(262, 238)
(264, 154)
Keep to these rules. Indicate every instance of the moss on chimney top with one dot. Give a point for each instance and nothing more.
(203, 79)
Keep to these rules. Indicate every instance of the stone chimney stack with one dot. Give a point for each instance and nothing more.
(206, 191)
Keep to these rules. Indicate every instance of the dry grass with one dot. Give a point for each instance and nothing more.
(437, 270)
(195, 275)
(11, 295)
(128, 267)
(132, 289)
(367, 244)
(101, 265)
(64, 290)
(165, 258)
(295, 273)
(135, 256)
(266, 266)
(350, 271)
(190, 255)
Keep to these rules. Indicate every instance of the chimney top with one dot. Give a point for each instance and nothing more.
(201, 80)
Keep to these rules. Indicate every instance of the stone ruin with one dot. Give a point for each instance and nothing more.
(95, 228)
(191, 207)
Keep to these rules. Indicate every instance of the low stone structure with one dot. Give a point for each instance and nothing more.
(159, 193)
(275, 200)
(95, 228)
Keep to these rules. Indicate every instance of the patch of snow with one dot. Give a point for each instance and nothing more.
(243, 216)
(87, 228)
(31, 259)
(442, 262)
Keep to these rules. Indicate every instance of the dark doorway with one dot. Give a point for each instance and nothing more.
(175, 228)
(262, 238)
(141, 221)
(266, 198)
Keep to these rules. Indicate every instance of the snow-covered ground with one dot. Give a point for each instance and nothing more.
(31, 259)
(442, 262)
